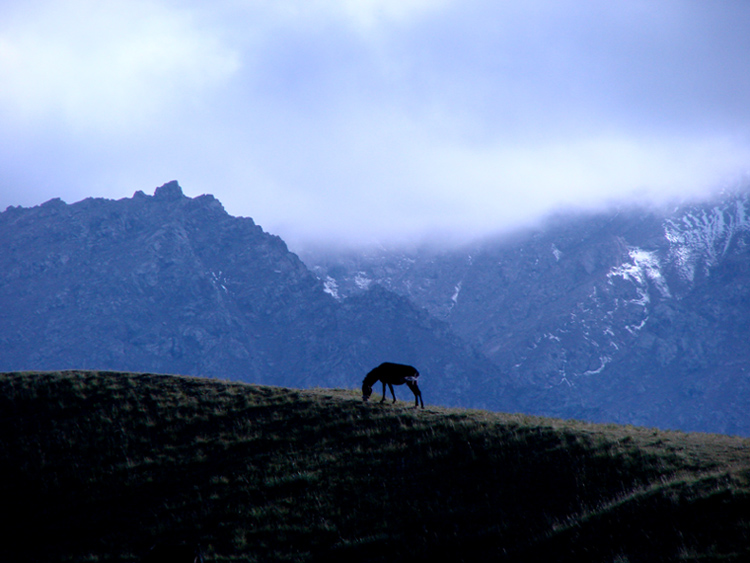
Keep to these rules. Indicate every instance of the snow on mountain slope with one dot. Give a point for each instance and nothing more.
(700, 236)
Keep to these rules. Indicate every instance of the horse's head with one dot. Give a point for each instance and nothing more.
(366, 391)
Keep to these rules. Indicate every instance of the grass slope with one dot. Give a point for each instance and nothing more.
(99, 466)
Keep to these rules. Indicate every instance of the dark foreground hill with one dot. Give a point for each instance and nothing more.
(100, 466)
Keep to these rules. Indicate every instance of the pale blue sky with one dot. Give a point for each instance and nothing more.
(363, 120)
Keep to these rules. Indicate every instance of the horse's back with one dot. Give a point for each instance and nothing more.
(403, 372)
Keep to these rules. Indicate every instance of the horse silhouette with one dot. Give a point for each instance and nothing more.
(392, 374)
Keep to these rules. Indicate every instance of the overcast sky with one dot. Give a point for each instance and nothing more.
(362, 120)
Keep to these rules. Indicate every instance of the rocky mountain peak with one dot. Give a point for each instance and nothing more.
(169, 191)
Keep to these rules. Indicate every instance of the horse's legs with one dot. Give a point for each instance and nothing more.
(383, 399)
(392, 392)
(417, 393)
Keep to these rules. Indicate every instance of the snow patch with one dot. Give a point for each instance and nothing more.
(454, 298)
(331, 287)
(635, 329)
(362, 281)
(645, 267)
(701, 237)
(603, 361)
(218, 281)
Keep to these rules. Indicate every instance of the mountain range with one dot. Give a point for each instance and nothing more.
(634, 315)
(172, 284)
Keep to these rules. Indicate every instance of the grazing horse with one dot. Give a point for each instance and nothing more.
(393, 374)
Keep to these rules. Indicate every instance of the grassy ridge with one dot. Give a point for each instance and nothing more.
(99, 466)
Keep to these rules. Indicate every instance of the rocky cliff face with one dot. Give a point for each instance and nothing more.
(167, 283)
(633, 316)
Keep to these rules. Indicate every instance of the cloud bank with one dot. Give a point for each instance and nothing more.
(359, 120)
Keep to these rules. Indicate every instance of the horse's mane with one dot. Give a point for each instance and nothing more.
(371, 378)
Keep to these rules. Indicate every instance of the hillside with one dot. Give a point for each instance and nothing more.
(98, 466)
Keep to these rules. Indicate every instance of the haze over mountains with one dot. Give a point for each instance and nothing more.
(629, 316)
